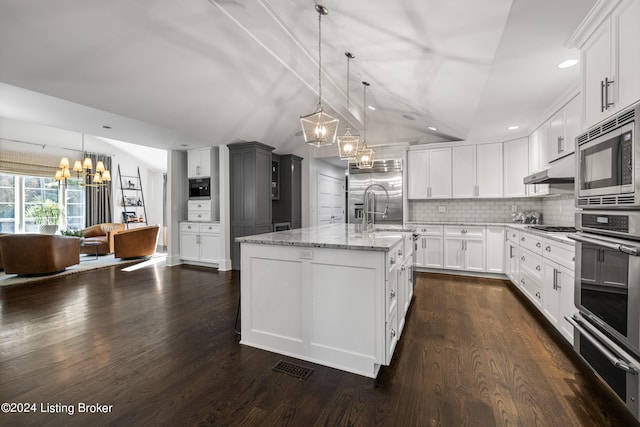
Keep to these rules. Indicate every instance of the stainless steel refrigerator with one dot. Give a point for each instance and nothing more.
(387, 173)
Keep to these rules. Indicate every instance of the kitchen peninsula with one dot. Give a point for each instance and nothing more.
(330, 294)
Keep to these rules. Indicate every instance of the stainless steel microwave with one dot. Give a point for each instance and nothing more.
(608, 164)
(199, 188)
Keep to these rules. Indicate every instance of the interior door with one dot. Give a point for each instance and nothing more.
(331, 204)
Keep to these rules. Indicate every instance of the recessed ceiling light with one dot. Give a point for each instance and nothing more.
(568, 63)
(183, 145)
(431, 128)
(513, 127)
(105, 127)
(371, 107)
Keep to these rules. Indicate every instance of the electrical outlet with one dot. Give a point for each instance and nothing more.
(306, 254)
(514, 208)
(442, 209)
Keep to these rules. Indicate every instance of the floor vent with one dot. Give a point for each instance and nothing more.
(292, 369)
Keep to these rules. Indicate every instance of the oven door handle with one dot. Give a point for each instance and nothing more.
(613, 359)
(629, 250)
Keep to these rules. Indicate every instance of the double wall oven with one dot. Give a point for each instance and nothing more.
(607, 291)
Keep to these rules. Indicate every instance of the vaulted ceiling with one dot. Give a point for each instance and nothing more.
(182, 74)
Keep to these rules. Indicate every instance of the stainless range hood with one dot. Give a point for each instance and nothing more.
(561, 171)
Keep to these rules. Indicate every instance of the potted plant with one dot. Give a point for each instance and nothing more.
(46, 215)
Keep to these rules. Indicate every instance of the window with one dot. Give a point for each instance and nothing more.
(19, 193)
(7, 203)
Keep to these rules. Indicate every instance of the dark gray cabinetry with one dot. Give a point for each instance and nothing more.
(250, 182)
(288, 208)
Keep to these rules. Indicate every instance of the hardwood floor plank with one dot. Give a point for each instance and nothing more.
(158, 344)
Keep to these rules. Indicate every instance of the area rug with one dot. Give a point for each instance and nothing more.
(87, 263)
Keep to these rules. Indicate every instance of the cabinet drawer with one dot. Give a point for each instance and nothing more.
(392, 298)
(189, 227)
(199, 205)
(393, 259)
(199, 216)
(532, 287)
(532, 262)
(563, 254)
(392, 336)
(430, 230)
(531, 242)
(513, 235)
(464, 231)
(211, 228)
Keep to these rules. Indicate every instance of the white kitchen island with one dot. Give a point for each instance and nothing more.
(328, 294)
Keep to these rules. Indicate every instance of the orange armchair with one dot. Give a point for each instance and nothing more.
(33, 254)
(136, 242)
(103, 235)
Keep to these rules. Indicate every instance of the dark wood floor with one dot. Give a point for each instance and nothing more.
(158, 345)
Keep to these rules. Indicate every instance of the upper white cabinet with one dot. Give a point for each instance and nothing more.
(564, 127)
(429, 173)
(199, 163)
(610, 62)
(477, 171)
(516, 167)
(538, 157)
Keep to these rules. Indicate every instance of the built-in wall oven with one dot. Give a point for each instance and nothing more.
(607, 295)
(608, 163)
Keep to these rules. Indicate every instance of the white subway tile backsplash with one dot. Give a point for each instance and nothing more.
(556, 210)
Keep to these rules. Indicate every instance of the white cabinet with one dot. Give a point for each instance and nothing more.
(429, 173)
(199, 210)
(610, 63)
(429, 247)
(477, 171)
(558, 297)
(200, 242)
(464, 248)
(564, 126)
(495, 249)
(199, 162)
(512, 262)
(516, 167)
(538, 157)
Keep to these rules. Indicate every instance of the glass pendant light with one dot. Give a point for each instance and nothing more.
(348, 143)
(366, 156)
(319, 128)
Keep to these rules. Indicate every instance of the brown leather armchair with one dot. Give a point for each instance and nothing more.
(33, 254)
(136, 242)
(103, 235)
(1, 267)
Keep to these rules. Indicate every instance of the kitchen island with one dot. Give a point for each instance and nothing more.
(329, 294)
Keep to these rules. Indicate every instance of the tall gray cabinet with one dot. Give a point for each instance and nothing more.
(288, 206)
(250, 182)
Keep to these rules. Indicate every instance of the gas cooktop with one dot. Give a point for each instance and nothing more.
(553, 229)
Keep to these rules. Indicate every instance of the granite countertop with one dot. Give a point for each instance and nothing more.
(334, 236)
(559, 237)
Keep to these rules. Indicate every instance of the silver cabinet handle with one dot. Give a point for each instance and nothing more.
(392, 333)
(538, 267)
(510, 251)
(392, 294)
(601, 96)
(513, 235)
(607, 83)
(538, 245)
(522, 239)
(522, 258)
(547, 248)
(522, 281)
(392, 261)
(399, 252)
(403, 268)
(538, 295)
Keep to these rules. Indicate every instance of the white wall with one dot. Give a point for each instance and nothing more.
(176, 202)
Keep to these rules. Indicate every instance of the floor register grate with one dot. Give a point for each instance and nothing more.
(292, 369)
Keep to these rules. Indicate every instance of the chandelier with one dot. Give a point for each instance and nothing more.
(348, 143)
(319, 128)
(366, 155)
(83, 171)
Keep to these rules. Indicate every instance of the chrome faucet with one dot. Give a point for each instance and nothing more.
(366, 208)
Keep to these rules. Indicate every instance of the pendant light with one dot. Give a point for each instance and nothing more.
(319, 128)
(348, 143)
(366, 155)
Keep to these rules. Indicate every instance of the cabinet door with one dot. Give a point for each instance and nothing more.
(572, 125)
(489, 170)
(433, 251)
(189, 246)
(495, 250)
(567, 301)
(512, 262)
(418, 164)
(596, 65)
(474, 255)
(209, 247)
(464, 172)
(199, 162)
(626, 33)
(556, 135)
(454, 253)
(516, 161)
(551, 288)
(538, 157)
(440, 173)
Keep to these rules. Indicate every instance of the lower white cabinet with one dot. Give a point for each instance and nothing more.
(429, 247)
(200, 242)
(495, 249)
(558, 297)
(464, 248)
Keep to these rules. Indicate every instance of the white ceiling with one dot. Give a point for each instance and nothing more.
(183, 74)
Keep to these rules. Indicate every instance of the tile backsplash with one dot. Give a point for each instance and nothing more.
(556, 210)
